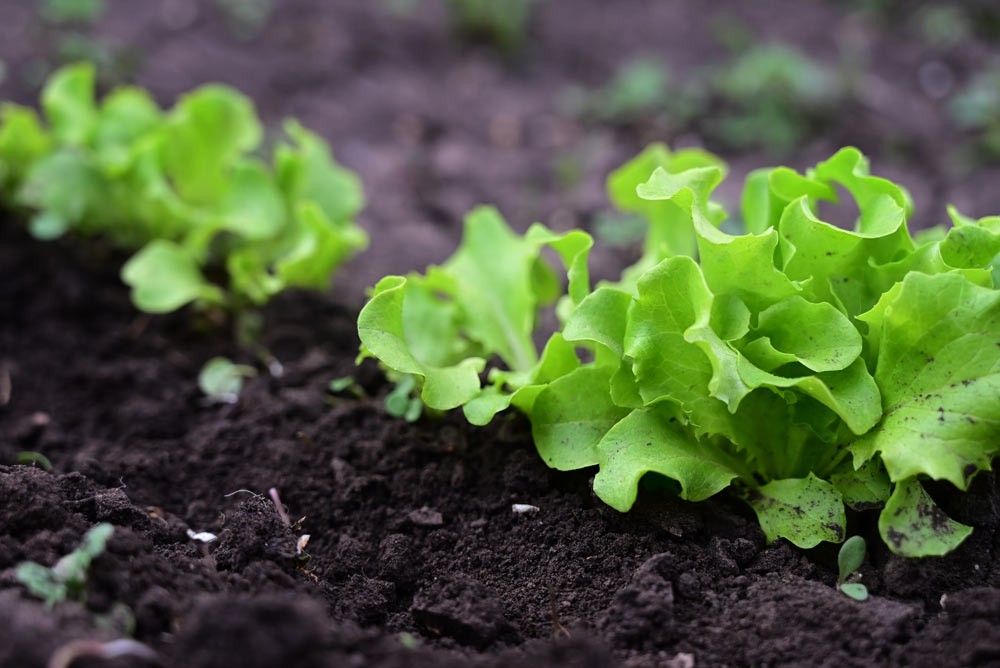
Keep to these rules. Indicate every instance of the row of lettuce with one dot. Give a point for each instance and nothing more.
(805, 367)
(208, 220)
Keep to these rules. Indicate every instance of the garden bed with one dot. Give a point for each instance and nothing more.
(416, 555)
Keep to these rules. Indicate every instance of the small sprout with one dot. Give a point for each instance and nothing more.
(341, 384)
(849, 560)
(408, 640)
(35, 459)
(300, 545)
(523, 508)
(221, 380)
(346, 384)
(69, 575)
(201, 536)
(399, 403)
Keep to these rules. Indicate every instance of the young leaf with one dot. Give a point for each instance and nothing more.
(68, 101)
(65, 187)
(912, 525)
(317, 247)
(571, 415)
(205, 135)
(672, 297)
(855, 590)
(22, 142)
(806, 511)
(251, 205)
(815, 335)
(669, 229)
(850, 557)
(126, 116)
(864, 488)
(222, 381)
(306, 171)
(164, 277)
(382, 329)
(497, 294)
(643, 442)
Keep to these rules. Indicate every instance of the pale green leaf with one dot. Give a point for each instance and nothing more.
(571, 415)
(206, 133)
(384, 335)
(306, 171)
(251, 204)
(164, 277)
(126, 116)
(221, 380)
(670, 231)
(806, 511)
(318, 248)
(68, 101)
(850, 557)
(865, 488)
(645, 442)
(23, 141)
(938, 367)
(855, 590)
(912, 525)
(816, 335)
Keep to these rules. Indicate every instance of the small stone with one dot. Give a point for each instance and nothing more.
(425, 517)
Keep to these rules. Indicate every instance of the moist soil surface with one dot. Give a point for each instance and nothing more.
(416, 555)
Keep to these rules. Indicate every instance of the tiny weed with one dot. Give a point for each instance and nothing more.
(849, 560)
(401, 403)
(222, 381)
(68, 578)
(34, 459)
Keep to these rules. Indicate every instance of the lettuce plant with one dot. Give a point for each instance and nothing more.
(805, 367)
(209, 221)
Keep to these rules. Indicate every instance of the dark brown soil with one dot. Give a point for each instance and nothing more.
(415, 556)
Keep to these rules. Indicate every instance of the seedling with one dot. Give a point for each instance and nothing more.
(222, 381)
(68, 578)
(849, 560)
(669, 369)
(401, 403)
(34, 459)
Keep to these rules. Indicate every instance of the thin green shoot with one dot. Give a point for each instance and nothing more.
(68, 578)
